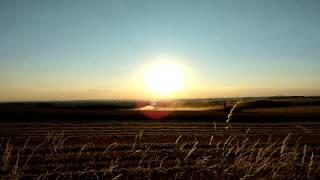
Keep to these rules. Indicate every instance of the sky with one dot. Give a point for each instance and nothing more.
(65, 50)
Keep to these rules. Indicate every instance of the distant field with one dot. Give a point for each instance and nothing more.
(159, 150)
(296, 109)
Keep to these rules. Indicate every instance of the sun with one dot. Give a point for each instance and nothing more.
(163, 79)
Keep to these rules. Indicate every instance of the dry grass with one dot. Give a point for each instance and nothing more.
(236, 156)
(230, 158)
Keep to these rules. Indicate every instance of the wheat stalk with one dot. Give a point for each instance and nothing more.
(304, 154)
(161, 162)
(111, 146)
(140, 135)
(231, 111)
(310, 164)
(178, 139)
(117, 177)
(15, 172)
(191, 150)
(6, 156)
(211, 140)
(284, 144)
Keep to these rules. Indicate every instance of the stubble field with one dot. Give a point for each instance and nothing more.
(159, 150)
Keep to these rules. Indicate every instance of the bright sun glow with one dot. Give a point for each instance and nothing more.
(163, 79)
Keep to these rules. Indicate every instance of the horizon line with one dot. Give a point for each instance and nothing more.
(150, 99)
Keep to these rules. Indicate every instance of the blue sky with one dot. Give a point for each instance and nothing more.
(97, 49)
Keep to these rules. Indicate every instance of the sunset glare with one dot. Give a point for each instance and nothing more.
(163, 79)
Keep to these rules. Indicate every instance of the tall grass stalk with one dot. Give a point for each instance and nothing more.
(310, 164)
(178, 139)
(231, 111)
(6, 156)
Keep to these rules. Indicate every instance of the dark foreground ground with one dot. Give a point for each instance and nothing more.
(159, 150)
(105, 115)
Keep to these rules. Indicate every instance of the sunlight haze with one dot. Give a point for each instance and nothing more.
(66, 50)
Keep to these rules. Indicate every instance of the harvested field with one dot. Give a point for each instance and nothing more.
(159, 150)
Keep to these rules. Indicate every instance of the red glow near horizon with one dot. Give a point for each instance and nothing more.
(155, 114)
(149, 110)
